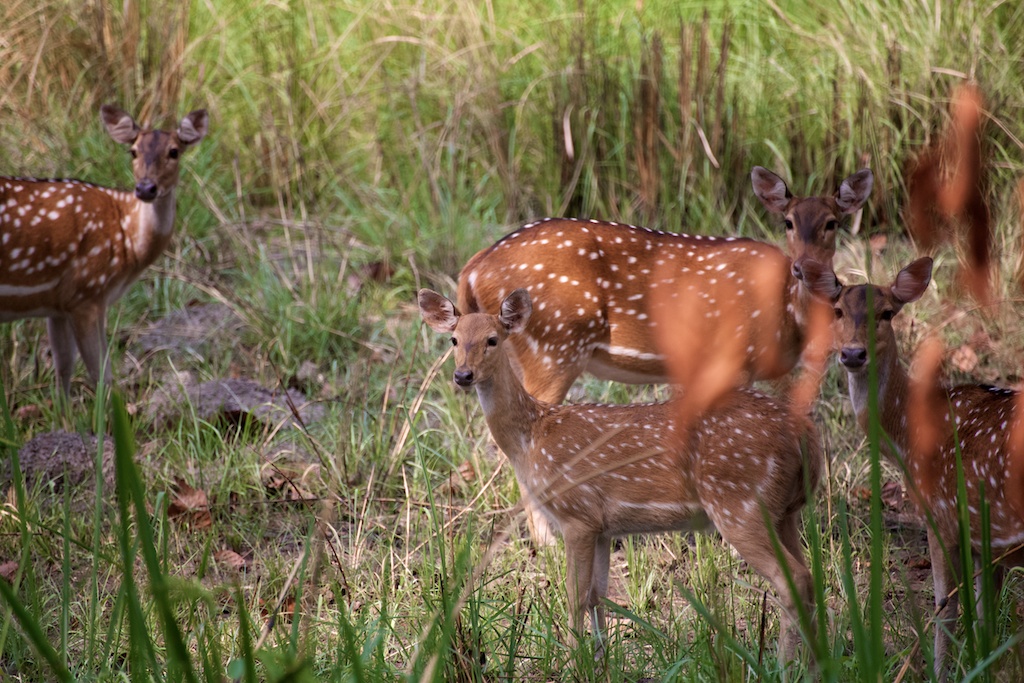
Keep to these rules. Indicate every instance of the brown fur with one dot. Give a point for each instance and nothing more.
(984, 417)
(601, 471)
(69, 248)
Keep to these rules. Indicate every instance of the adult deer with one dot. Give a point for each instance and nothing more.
(590, 282)
(601, 471)
(590, 279)
(68, 248)
(976, 419)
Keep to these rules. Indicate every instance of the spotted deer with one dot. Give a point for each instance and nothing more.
(974, 418)
(591, 283)
(601, 471)
(69, 248)
(590, 279)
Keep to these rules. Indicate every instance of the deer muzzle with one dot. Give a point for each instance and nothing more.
(145, 190)
(463, 378)
(853, 357)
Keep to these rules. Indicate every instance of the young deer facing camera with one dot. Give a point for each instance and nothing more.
(982, 416)
(68, 249)
(600, 471)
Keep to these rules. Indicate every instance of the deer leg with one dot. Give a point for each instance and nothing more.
(599, 588)
(579, 573)
(552, 387)
(751, 541)
(944, 577)
(541, 530)
(62, 345)
(88, 326)
(789, 536)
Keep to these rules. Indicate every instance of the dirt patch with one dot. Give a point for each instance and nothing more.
(62, 457)
(235, 401)
(191, 332)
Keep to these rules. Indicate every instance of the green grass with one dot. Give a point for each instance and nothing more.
(412, 134)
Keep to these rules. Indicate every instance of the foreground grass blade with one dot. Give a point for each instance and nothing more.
(34, 633)
(129, 487)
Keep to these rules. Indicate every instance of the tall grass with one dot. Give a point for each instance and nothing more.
(413, 133)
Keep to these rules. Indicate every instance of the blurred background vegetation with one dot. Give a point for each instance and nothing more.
(424, 129)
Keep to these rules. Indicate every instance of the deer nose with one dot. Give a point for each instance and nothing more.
(798, 272)
(464, 378)
(853, 357)
(145, 190)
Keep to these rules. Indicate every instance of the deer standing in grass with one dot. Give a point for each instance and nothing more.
(983, 417)
(590, 283)
(601, 471)
(68, 249)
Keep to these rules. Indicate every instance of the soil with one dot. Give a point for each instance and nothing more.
(193, 332)
(60, 458)
(233, 400)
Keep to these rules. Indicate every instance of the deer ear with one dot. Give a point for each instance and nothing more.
(515, 311)
(912, 281)
(855, 190)
(193, 127)
(770, 189)
(437, 312)
(119, 124)
(821, 280)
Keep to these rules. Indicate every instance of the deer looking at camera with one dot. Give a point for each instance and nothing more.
(68, 249)
(977, 419)
(591, 282)
(601, 471)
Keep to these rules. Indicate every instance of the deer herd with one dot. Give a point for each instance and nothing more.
(559, 297)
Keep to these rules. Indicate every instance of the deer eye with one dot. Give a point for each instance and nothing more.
(172, 153)
(886, 315)
(492, 341)
(830, 225)
(455, 342)
(789, 224)
(839, 313)
(133, 153)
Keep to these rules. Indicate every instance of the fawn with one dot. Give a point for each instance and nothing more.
(981, 415)
(68, 249)
(591, 281)
(601, 471)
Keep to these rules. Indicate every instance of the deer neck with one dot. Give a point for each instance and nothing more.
(153, 225)
(799, 305)
(893, 392)
(509, 410)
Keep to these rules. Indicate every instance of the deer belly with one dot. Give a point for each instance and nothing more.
(27, 301)
(627, 364)
(629, 517)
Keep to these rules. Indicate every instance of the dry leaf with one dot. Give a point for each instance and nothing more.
(921, 562)
(231, 560)
(28, 412)
(892, 495)
(286, 611)
(191, 505)
(8, 570)
(466, 471)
